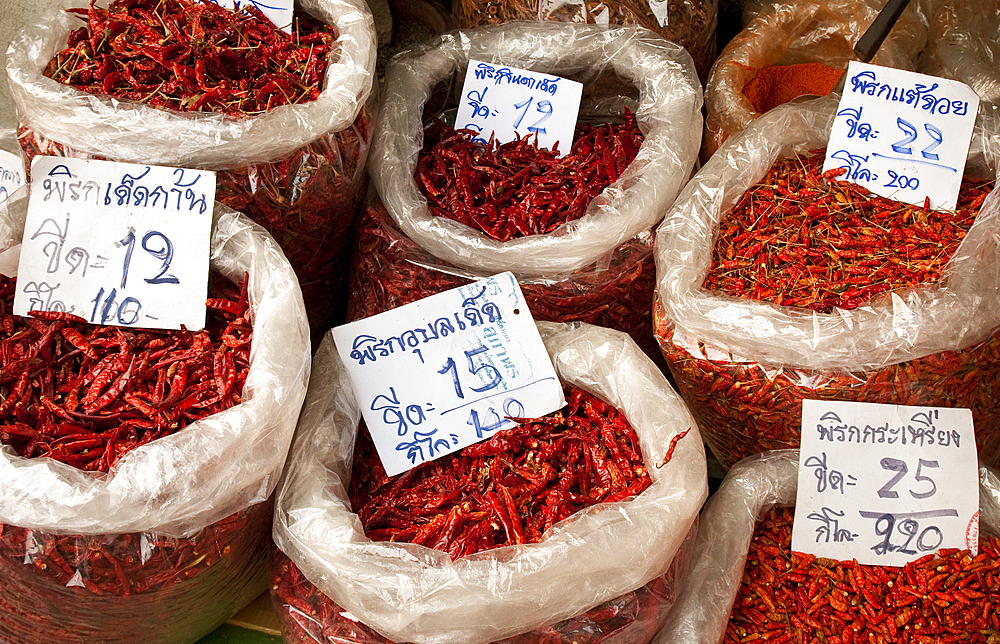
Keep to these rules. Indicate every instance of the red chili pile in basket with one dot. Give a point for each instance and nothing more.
(517, 189)
(786, 596)
(194, 56)
(796, 241)
(508, 489)
(87, 394)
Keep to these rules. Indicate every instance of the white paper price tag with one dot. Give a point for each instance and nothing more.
(445, 372)
(885, 484)
(117, 243)
(277, 11)
(510, 103)
(903, 135)
(11, 173)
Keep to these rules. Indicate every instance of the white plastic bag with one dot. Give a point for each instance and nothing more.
(411, 593)
(667, 111)
(962, 45)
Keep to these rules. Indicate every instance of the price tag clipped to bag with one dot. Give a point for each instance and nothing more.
(448, 371)
(11, 173)
(903, 135)
(277, 11)
(885, 484)
(117, 243)
(509, 103)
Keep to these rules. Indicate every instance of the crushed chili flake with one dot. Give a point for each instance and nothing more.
(86, 395)
(516, 189)
(194, 56)
(508, 489)
(788, 596)
(799, 237)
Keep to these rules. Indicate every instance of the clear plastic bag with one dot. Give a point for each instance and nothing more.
(811, 40)
(411, 593)
(691, 24)
(298, 170)
(962, 45)
(171, 542)
(743, 366)
(750, 489)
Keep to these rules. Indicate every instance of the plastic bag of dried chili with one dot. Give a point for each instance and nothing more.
(412, 593)
(172, 540)
(787, 49)
(744, 363)
(296, 169)
(691, 23)
(962, 45)
(593, 268)
(716, 588)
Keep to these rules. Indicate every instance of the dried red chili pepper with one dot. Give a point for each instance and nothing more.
(307, 616)
(787, 596)
(390, 270)
(517, 189)
(134, 587)
(801, 238)
(86, 394)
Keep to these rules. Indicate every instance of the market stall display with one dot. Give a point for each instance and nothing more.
(281, 118)
(746, 583)
(744, 363)
(596, 268)
(138, 467)
(560, 576)
(791, 49)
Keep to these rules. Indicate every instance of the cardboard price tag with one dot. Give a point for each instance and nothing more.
(11, 173)
(903, 135)
(885, 484)
(447, 371)
(509, 103)
(117, 243)
(277, 11)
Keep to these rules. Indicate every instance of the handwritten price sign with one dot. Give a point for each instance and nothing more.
(447, 371)
(509, 103)
(277, 11)
(903, 135)
(885, 484)
(11, 173)
(117, 243)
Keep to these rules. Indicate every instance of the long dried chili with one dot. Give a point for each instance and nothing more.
(787, 596)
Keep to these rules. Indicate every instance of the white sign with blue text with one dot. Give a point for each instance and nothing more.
(885, 484)
(11, 173)
(117, 243)
(448, 371)
(277, 11)
(903, 135)
(509, 103)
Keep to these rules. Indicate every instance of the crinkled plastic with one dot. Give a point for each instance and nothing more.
(298, 170)
(171, 542)
(750, 489)
(794, 33)
(962, 45)
(130, 131)
(411, 593)
(689, 23)
(744, 366)
(390, 270)
(667, 111)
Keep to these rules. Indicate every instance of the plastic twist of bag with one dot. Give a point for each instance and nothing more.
(411, 593)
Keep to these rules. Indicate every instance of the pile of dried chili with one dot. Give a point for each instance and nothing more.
(792, 240)
(799, 237)
(188, 55)
(788, 596)
(307, 616)
(86, 394)
(517, 189)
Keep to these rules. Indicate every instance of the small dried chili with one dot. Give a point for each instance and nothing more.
(86, 395)
(788, 596)
(307, 616)
(517, 189)
(390, 270)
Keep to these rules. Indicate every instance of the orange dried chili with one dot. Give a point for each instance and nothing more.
(777, 84)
